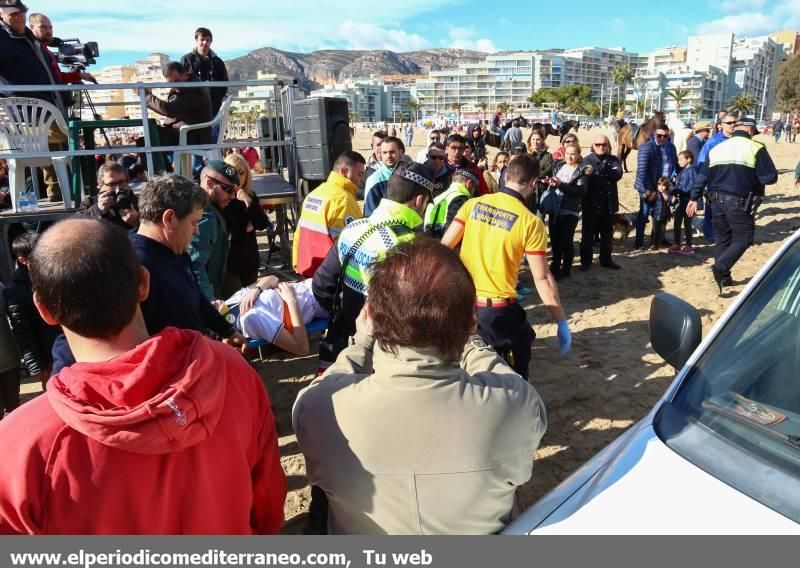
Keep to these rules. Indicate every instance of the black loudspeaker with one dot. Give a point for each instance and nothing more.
(322, 129)
(272, 129)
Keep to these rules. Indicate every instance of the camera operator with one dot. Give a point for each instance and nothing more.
(116, 203)
(42, 30)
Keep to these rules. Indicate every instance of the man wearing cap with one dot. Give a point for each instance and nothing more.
(209, 248)
(441, 212)
(702, 130)
(496, 231)
(735, 172)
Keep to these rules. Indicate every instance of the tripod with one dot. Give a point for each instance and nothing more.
(84, 94)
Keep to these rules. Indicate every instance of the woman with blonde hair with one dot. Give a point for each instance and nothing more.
(560, 154)
(492, 175)
(244, 216)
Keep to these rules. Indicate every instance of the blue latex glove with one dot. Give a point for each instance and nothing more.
(564, 337)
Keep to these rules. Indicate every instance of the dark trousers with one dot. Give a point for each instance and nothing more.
(562, 236)
(641, 220)
(681, 219)
(507, 330)
(9, 390)
(734, 231)
(659, 232)
(594, 223)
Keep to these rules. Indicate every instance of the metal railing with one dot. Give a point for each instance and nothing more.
(282, 102)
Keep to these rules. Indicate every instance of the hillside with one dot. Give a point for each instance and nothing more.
(312, 70)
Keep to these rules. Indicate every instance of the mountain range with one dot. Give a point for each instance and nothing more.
(318, 68)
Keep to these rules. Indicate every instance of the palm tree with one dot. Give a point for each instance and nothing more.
(483, 105)
(622, 75)
(414, 105)
(742, 103)
(505, 108)
(698, 111)
(577, 106)
(457, 108)
(678, 95)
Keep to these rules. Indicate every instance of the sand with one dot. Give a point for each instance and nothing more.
(612, 377)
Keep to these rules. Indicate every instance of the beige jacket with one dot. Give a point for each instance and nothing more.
(418, 446)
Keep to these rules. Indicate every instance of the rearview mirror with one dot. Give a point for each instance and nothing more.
(675, 329)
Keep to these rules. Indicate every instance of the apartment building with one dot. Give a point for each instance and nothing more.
(371, 100)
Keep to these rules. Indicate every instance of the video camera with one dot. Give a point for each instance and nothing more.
(74, 53)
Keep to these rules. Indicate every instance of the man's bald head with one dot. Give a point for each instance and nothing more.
(86, 277)
(601, 145)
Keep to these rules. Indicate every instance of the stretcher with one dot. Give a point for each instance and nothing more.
(312, 328)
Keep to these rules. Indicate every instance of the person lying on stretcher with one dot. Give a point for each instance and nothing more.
(275, 311)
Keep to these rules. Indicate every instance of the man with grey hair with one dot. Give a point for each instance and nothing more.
(170, 209)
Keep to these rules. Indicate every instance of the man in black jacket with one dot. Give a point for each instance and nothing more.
(34, 337)
(115, 203)
(202, 64)
(183, 106)
(600, 203)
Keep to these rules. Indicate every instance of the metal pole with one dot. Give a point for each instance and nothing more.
(146, 124)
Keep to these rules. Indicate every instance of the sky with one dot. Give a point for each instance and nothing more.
(131, 29)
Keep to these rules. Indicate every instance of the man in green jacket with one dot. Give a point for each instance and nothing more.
(209, 247)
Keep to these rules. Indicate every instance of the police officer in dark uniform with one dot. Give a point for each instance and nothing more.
(735, 172)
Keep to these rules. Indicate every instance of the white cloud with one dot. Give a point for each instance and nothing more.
(618, 26)
(467, 38)
(369, 36)
(152, 25)
(762, 17)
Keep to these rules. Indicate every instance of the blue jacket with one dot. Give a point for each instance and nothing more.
(695, 146)
(22, 62)
(174, 299)
(650, 165)
(683, 186)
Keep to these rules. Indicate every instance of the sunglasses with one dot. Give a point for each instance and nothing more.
(662, 135)
(435, 157)
(729, 122)
(600, 145)
(226, 187)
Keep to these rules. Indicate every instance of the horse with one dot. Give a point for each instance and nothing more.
(679, 132)
(566, 127)
(628, 138)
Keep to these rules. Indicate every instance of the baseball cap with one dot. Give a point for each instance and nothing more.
(702, 125)
(8, 7)
(225, 170)
(519, 148)
(748, 121)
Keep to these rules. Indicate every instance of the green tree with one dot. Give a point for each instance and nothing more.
(743, 103)
(678, 95)
(622, 75)
(697, 110)
(415, 106)
(505, 108)
(483, 105)
(788, 84)
(577, 106)
(561, 95)
(457, 108)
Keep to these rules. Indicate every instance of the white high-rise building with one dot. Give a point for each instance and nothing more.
(371, 100)
(754, 67)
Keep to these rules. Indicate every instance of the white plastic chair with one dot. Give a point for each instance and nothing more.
(24, 126)
(182, 161)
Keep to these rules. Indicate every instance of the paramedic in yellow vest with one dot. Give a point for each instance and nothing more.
(442, 211)
(326, 211)
(496, 231)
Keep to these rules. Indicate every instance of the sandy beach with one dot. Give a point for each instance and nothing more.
(612, 377)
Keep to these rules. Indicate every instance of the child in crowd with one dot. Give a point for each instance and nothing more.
(660, 213)
(683, 185)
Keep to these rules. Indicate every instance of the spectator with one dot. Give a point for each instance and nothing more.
(660, 212)
(392, 153)
(405, 374)
(243, 217)
(513, 135)
(569, 181)
(137, 178)
(209, 248)
(149, 409)
(682, 194)
(34, 335)
(475, 136)
(516, 151)
(492, 175)
(568, 139)
(325, 213)
(434, 136)
(434, 161)
(251, 155)
(600, 204)
(116, 203)
(702, 130)
(777, 129)
(454, 150)
(656, 158)
(202, 64)
(538, 149)
(9, 362)
(374, 161)
(409, 135)
(183, 106)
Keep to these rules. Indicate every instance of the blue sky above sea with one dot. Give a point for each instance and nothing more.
(127, 31)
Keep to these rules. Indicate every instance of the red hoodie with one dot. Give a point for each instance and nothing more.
(174, 437)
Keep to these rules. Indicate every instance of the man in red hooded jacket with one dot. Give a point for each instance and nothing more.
(166, 434)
